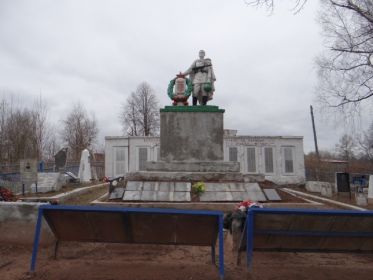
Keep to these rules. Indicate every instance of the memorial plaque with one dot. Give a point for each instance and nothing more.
(60, 159)
(28, 171)
(272, 194)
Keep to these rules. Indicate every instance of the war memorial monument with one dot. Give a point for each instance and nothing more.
(191, 148)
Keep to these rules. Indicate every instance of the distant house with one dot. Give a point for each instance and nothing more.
(279, 158)
(98, 157)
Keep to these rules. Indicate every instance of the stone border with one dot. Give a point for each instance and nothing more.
(205, 108)
(63, 196)
(221, 206)
(330, 201)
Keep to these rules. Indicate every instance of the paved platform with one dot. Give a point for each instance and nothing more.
(157, 191)
(232, 192)
(181, 192)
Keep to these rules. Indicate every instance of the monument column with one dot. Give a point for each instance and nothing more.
(191, 133)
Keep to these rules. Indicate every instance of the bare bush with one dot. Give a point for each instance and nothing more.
(79, 131)
(23, 131)
(140, 113)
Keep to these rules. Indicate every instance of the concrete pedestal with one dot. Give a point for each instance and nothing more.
(191, 133)
(191, 150)
(193, 166)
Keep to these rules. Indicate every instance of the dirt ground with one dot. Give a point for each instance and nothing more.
(139, 262)
(93, 261)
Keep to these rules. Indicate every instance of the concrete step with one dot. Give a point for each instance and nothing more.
(193, 166)
(193, 176)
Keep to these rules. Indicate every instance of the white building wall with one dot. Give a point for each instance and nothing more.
(150, 143)
(132, 146)
(278, 144)
(112, 144)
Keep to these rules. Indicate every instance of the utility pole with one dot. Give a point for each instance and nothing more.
(314, 134)
(315, 139)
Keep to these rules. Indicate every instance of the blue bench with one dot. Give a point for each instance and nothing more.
(297, 230)
(133, 226)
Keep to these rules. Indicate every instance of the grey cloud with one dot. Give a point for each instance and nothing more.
(97, 53)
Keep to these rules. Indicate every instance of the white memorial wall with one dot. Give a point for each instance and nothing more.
(279, 158)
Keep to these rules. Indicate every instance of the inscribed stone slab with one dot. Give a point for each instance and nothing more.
(149, 195)
(117, 193)
(150, 186)
(181, 196)
(272, 194)
(236, 187)
(134, 186)
(166, 186)
(60, 159)
(132, 195)
(183, 187)
(252, 187)
(164, 196)
(28, 171)
(216, 196)
(255, 196)
(217, 187)
(238, 196)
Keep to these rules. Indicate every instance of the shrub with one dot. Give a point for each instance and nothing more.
(198, 188)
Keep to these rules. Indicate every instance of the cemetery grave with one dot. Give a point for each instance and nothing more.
(55, 184)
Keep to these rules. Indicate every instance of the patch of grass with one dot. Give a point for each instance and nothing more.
(86, 198)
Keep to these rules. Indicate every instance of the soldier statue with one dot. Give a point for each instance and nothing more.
(202, 76)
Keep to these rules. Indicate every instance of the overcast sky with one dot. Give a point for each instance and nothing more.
(97, 52)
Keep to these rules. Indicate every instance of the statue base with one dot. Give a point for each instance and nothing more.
(191, 134)
(193, 166)
(191, 150)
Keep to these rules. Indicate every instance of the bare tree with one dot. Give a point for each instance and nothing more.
(52, 144)
(346, 148)
(24, 131)
(3, 133)
(20, 133)
(270, 4)
(17, 132)
(140, 113)
(129, 117)
(79, 131)
(40, 126)
(365, 143)
(345, 69)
